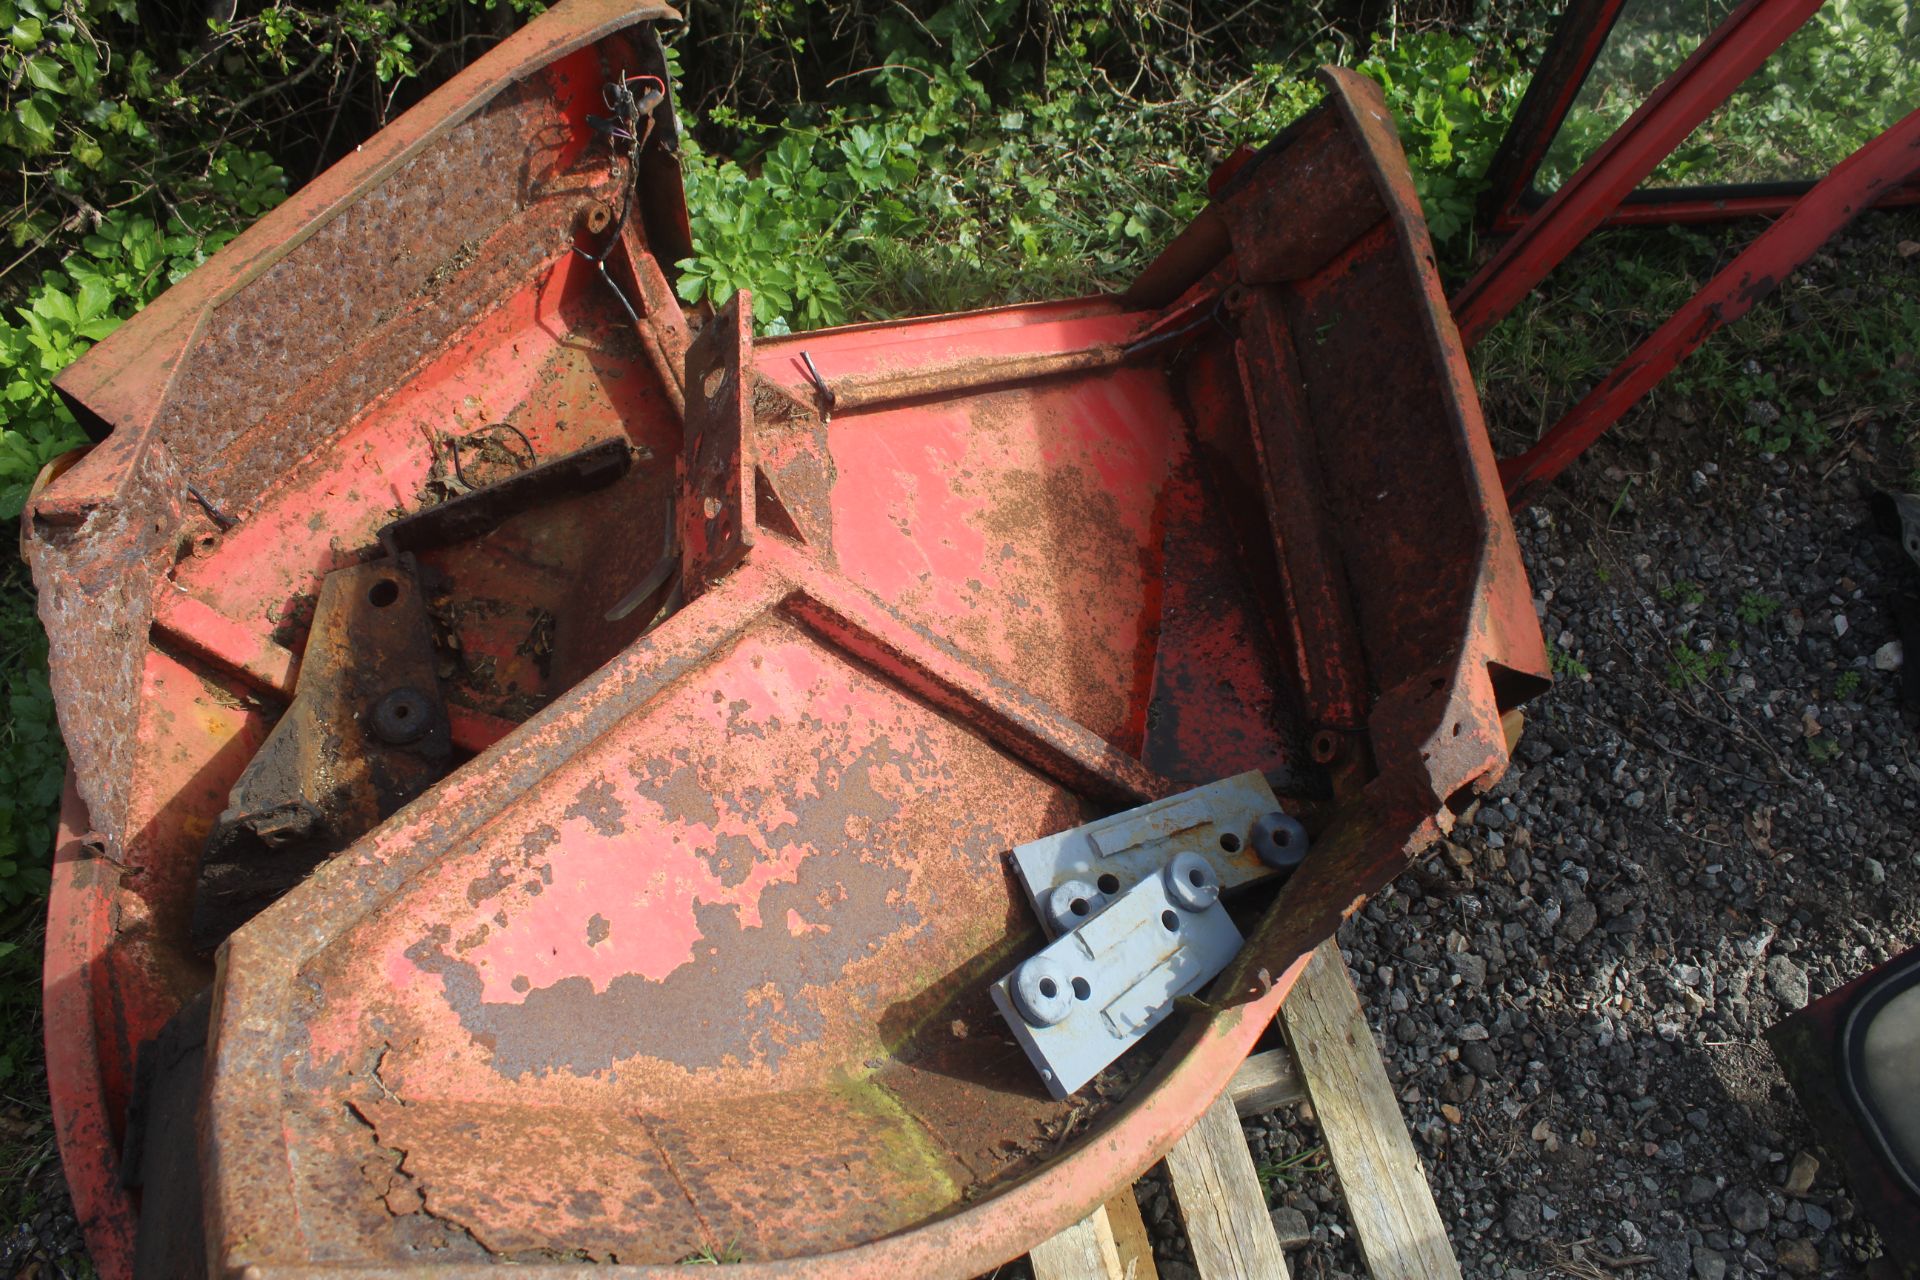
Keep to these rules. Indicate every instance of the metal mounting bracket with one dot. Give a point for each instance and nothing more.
(1091, 995)
(1235, 824)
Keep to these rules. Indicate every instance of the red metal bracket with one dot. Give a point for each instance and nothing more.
(716, 529)
(1835, 200)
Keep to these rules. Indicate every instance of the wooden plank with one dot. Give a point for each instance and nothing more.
(1084, 1251)
(1108, 1244)
(1221, 1202)
(1266, 1081)
(1395, 1221)
(1130, 1239)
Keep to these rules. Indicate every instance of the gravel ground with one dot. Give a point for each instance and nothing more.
(42, 1239)
(1710, 819)
(1571, 997)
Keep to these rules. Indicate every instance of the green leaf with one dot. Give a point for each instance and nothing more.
(43, 73)
(55, 305)
(36, 122)
(94, 300)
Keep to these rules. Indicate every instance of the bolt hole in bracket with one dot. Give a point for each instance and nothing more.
(365, 733)
(1133, 904)
(1235, 825)
(1094, 992)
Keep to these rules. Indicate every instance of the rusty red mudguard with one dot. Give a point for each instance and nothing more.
(689, 950)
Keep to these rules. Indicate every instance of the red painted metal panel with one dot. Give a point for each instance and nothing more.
(716, 524)
(1834, 202)
(694, 952)
(85, 1126)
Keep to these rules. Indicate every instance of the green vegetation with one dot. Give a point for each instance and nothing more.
(1279, 1174)
(1847, 685)
(1822, 749)
(1687, 668)
(1682, 591)
(1755, 608)
(1831, 350)
(947, 194)
(1564, 665)
(1847, 75)
(708, 1256)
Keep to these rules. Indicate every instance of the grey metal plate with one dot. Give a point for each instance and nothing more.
(1110, 856)
(1120, 973)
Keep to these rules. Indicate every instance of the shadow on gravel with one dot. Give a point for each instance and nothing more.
(1710, 820)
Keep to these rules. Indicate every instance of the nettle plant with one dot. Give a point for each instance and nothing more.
(1451, 98)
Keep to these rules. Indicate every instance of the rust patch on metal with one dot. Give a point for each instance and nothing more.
(716, 516)
(366, 732)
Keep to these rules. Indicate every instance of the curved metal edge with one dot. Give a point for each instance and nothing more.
(77, 925)
(1436, 734)
(122, 382)
(982, 1235)
(1851, 1052)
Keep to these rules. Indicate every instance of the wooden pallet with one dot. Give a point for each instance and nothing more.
(1334, 1064)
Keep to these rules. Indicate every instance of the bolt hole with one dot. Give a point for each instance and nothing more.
(1170, 920)
(1283, 837)
(1456, 728)
(1081, 989)
(1048, 988)
(402, 711)
(1078, 906)
(383, 593)
(1109, 883)
(1196, 877)
(1230, 842)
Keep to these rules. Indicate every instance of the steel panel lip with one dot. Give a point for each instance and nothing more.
(957, 344)
(1014, 315)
